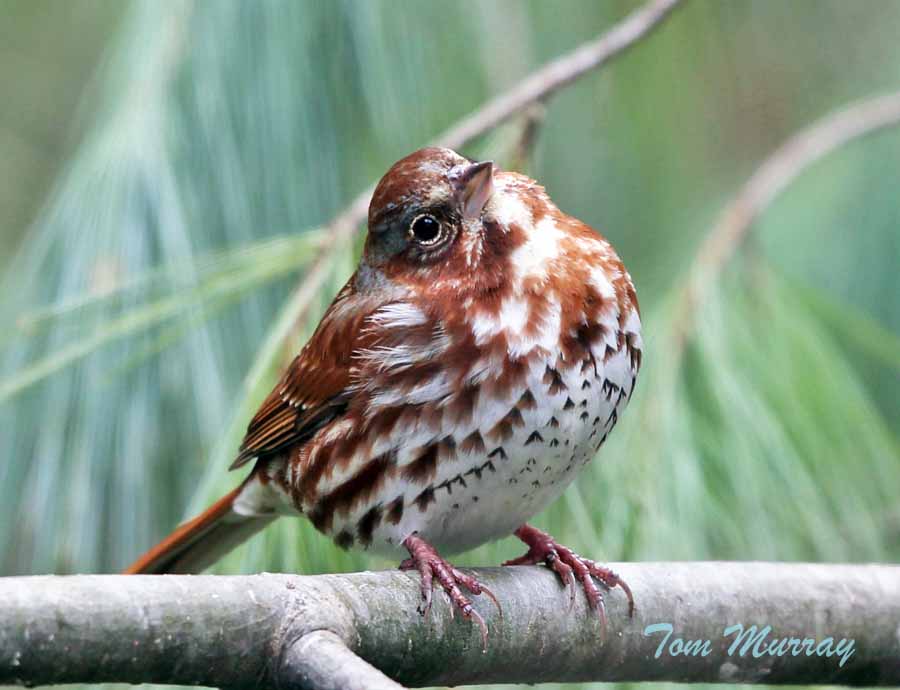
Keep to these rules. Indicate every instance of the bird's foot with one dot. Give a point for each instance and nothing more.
(542, 548)
(425, 558)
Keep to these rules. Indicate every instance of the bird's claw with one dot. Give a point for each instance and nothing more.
(431, 567)
(542, 548)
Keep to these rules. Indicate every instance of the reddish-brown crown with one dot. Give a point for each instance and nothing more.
(411, 181)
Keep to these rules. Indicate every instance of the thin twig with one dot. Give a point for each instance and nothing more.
(536, 87)
(771, 178)
(532, 120)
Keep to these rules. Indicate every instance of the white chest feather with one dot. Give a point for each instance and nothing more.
(516, 453)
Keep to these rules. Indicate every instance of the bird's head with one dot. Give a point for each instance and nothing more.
(441, 220)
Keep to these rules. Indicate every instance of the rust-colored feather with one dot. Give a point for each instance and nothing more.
(314, 389)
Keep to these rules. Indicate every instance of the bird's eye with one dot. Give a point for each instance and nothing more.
(425, 229)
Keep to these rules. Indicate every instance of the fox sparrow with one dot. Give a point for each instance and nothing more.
(473, 364)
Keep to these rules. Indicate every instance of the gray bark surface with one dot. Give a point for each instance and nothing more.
(292, 631)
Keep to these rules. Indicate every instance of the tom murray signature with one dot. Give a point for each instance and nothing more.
(752, 641)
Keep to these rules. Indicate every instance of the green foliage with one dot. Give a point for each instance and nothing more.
(145, 314)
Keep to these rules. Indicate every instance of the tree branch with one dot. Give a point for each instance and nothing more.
(289, 631)
(778, 171)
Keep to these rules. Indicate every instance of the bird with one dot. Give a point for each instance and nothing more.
(474, 363)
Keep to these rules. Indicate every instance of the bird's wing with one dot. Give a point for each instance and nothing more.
(315, 389)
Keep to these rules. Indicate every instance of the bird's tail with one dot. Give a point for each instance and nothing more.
(200, 542)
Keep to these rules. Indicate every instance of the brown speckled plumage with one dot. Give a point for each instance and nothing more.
(477, 359)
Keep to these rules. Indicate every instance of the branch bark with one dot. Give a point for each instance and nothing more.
(291, 631)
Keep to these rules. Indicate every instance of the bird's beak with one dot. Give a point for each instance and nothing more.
(474, 184)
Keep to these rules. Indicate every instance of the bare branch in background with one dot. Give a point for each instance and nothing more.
(535, 88)
(540, 85)
(770, 179)
(266, 631)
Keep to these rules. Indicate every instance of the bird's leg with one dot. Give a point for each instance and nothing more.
(425, 558)
(542, 548)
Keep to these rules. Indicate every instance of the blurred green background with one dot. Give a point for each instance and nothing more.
(166, 167)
